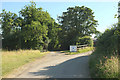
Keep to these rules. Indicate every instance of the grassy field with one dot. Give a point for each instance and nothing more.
(79, 51)
(104, 66)
(14, 59)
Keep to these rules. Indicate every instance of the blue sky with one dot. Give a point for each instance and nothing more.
(103, 11)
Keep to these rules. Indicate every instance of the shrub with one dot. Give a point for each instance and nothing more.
(104, 66)
(85, 40)
(104, 61)
(107, 43)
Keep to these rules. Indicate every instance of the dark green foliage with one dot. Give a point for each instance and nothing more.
(11, 42)
(76, 22)
(98, 34)
(85, 40)
(117, 32)
(107, 41)
(104, 61)
(53, 36)
(33, 29)
(10, 30)
(8, 23)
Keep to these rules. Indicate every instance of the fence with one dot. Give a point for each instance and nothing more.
(82, 46)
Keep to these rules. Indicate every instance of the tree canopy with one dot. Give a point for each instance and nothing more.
(32, 29)
(36, 29)
(76, 22)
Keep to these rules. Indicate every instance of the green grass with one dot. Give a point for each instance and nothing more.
(103, 66)
(14, 59)
(79, 51)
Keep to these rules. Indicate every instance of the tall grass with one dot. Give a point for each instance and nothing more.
(104, 66)
(14, 59)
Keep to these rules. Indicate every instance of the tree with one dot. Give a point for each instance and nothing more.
(86, 40)
(8, 25)
(53, 33)
(98, 34)
(35, 26)
(76, 22)
(108, 41)
(33, 29)
(118, 28)
(10, 30)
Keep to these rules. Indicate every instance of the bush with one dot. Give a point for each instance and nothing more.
(85, 40)
(107, 43)
(104, 61)
(102, 66)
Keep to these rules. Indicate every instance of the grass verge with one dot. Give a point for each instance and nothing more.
(79, 51)
(104, 66)
(14, 59)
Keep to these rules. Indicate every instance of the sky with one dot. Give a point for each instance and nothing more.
(103, 11)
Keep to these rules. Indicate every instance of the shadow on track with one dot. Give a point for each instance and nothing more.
(73, 68)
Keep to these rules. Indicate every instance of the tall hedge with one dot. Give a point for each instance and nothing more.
(108, 42)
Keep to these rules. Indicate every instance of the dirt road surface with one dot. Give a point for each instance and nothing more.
(56, 65)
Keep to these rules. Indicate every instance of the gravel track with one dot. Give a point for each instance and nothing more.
(56, 65)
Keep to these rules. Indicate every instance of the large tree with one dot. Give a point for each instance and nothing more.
(53, 29)
(10, 30)
(35, 25)
(76, 22)
(8, 24)
(33, 29)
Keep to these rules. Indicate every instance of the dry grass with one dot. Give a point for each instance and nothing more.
(109, 67)
(104, 66)
(14, 59)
